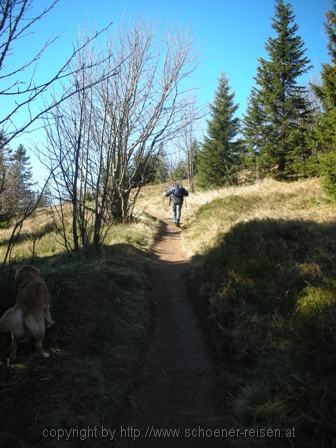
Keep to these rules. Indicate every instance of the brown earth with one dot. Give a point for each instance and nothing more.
(178, 387)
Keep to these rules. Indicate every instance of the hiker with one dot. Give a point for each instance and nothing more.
(177, 193)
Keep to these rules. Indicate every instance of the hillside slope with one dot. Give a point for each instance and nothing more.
(263, 280)
(101, 304)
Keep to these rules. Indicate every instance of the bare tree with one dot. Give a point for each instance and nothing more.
(25, 101)
(103, 138)
(18, 83)
(78, 156)
(189, 148)
(72, 157)
(146, 101)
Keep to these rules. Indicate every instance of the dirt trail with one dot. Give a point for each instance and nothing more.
(178, 388)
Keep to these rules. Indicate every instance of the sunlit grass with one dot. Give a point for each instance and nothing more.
(214, 213)
(39, 236)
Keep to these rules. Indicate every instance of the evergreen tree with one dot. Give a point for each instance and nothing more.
(45, 197)
(325, 129)
(19, 185)
(4, 161)
(194, 152)
(218, 158)
(180, 171)
(254, 128)
(326, 92)
(152, 170)
(161, 169)
(279, 110)
(192, 157)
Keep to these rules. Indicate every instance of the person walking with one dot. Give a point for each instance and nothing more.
(177, 194)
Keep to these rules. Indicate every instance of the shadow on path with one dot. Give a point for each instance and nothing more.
(178, 384)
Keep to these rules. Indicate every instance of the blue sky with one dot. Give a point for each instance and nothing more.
(229, 34)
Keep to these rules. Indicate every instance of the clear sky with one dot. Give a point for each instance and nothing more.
(229, 34)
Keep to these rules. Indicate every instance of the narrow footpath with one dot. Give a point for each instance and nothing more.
(178, 388)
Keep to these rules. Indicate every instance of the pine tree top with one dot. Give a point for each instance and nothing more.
(330, 27)
(279, 108)
(287, 60)
(326, 92)
(223, 125)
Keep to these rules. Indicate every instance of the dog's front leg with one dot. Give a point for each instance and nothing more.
(13, 349)
(39, 348)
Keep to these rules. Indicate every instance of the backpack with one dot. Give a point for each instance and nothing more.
(178, 192)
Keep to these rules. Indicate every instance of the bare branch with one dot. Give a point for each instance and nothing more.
(22, 93)
(104, 137)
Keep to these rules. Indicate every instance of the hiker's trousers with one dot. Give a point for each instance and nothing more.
(177, 213)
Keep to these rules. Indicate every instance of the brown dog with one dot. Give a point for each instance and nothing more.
(30, 315)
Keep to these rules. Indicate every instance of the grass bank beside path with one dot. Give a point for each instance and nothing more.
(263, 280)
(101, 305)
(213, 213)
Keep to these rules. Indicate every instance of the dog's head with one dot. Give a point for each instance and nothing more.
(25, 274)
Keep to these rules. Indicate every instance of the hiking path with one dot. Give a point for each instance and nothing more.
(178, 388)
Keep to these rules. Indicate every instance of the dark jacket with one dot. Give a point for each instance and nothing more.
(177, 194)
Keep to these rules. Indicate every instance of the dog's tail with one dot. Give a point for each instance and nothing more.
(12, 322)
(35, 325)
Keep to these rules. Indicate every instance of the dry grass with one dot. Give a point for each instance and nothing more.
(268, 199)
(203, 220)
(39, 237)
(151, 201)
(302, 200)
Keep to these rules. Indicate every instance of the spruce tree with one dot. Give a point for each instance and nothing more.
(192, 157)
(325, 130)
(4, 161)
(254, 128)
(20, 185)
(219, 155)
(279, 111)
(326, 92)
(180, 171)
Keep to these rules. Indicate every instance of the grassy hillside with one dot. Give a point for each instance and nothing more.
(101, 304)
(263, 280)
(215, 212)
(39, 237)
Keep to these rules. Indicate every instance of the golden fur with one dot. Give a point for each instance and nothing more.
(30, 315)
